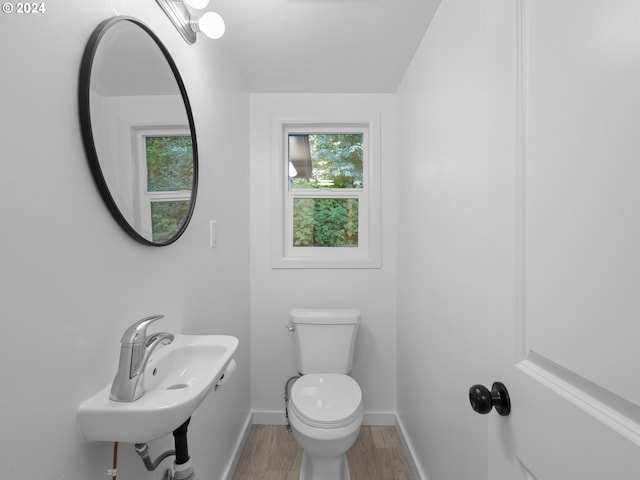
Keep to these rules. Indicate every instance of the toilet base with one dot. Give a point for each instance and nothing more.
(324, 468)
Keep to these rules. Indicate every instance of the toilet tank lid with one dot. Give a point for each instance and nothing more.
(325, 316)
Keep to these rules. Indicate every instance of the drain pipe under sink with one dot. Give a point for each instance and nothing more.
(182, 464)
(183, 469)
(142, 449)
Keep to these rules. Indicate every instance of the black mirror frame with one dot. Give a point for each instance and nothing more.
(87, 132)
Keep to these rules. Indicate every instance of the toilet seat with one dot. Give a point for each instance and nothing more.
(326, 400)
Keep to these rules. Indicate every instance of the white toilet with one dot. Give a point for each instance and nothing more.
(325, 405)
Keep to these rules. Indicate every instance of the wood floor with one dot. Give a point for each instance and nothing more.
(271, 453)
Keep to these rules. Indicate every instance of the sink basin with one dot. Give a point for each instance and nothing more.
(176, 380)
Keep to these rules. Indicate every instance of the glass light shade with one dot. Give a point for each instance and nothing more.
(212, 25)
(197, 4)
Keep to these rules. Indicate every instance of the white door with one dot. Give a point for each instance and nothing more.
(564, 284)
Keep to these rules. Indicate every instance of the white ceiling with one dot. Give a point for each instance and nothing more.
(324, 46)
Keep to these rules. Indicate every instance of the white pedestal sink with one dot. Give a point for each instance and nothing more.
(176, 380)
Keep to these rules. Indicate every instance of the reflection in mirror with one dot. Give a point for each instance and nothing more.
(138, 131)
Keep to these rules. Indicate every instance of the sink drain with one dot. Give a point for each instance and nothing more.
(177, 386)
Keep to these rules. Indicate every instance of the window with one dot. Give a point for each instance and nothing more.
(329, 199)
(166, 181)
(326, 190)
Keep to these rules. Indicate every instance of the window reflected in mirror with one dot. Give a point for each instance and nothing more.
(168, 177)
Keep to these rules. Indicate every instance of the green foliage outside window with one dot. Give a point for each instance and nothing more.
(169, 163)
(325, 222)
(336, 161)
(167, 218)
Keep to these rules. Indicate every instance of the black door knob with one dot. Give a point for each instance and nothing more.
(482, 400)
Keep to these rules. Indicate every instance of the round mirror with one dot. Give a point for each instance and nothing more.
(138, 131)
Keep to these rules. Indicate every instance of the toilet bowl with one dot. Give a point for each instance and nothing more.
(325, 411)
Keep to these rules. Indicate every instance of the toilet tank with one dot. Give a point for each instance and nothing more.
(324, 339)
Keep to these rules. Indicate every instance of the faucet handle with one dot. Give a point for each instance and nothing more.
(137, 333)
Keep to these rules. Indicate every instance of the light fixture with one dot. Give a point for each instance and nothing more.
(210, 24)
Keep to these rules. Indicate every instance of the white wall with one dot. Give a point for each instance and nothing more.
(275, 291)
(71, 281)
(442, 324)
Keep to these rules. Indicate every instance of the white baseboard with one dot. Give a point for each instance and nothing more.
(269, 417)
(277, 417)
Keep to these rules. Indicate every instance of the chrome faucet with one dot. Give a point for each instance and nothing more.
(135, 350)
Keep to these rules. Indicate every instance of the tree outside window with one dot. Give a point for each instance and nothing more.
(326, 178)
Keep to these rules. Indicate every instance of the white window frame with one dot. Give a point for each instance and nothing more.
(367, 253)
